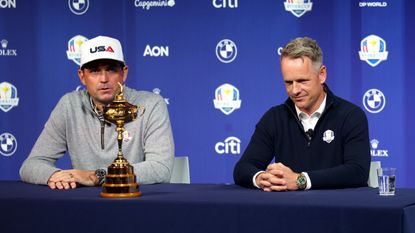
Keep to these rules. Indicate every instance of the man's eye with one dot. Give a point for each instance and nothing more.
(114, 69)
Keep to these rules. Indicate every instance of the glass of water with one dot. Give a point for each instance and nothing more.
(387, 179)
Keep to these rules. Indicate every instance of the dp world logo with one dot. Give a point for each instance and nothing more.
(8, 144)
(78, 7)
(226, 51)
(74, 48)
(374, 101)
(373, 50)
(227, 98)
(8, 96)
(298, 7)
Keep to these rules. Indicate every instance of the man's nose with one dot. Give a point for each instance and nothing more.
(296, 88)
(103, 76)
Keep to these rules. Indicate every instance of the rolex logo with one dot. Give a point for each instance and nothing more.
(4, 43)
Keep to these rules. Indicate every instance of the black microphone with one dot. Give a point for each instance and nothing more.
(310, 133)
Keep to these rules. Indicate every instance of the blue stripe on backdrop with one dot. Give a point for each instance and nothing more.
(172, 49)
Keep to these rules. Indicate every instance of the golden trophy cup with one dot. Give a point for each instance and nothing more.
(120, 181)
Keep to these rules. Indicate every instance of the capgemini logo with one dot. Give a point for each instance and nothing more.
(147, 4)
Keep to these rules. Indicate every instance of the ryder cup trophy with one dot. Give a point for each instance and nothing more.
(120, 181)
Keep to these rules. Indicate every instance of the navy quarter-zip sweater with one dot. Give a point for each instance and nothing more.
(341, 162)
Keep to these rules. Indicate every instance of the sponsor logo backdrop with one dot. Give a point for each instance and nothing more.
(216, 64)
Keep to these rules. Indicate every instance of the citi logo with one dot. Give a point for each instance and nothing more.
(101, 49)
(156, 51)
(231, 145)
(7, 3)
(225, 3)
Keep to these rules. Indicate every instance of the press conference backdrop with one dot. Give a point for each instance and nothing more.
(216, 63)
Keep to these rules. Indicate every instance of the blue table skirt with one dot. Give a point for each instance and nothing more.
(210, 208)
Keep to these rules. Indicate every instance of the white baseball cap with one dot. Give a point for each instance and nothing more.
(101, 47)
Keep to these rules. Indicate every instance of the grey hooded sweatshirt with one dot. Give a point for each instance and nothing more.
(74, 127)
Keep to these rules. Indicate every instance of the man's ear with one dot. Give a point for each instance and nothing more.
(322, 74)
(81, 76)
(125, 73)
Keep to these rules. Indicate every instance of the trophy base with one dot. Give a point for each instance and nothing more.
(120, 195)
(123, 190)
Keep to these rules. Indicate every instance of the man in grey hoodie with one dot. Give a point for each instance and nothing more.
(77, 126)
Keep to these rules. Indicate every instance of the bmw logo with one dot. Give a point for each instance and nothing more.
(374, 101)
(78, 7)
(226, 51)
(8, 144)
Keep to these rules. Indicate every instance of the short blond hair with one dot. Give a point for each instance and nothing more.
(303, 47)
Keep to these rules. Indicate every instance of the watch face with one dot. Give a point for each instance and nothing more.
(301, 181)
(100, 173)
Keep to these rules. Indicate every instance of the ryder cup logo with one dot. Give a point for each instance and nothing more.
(374, 101)
(226, 51)
(78, 7)
(328, 136)
(373, 50)
(298, 7)
(126, 136)
(8, 96)
(227, 98)
(8, 144)
(74, 48)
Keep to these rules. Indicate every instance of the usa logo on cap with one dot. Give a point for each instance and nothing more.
(101, 47)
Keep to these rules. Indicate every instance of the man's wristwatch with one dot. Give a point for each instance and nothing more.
(100, 174)
(301, 181)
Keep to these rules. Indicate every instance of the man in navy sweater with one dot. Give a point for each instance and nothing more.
(318, 140)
